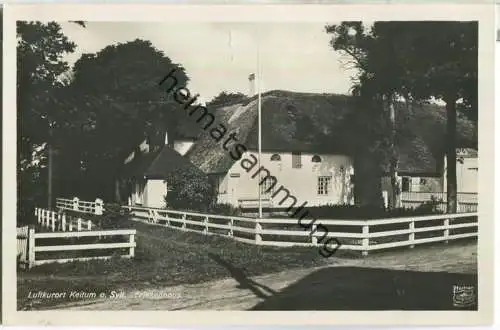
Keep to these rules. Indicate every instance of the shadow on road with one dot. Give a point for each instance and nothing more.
(257, 289)
(357, 288)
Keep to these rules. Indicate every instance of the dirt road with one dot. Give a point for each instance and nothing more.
(420, 278)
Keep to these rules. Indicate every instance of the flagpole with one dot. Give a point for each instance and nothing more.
(259, 120)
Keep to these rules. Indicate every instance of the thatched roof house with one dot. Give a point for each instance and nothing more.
(320, 123)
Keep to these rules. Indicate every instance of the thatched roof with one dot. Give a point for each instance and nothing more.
(315, 123)
(156, 164)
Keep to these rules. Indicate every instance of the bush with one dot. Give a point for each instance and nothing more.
(430, 207)
(190, 190)
(113, 216)
(368, 212)
(225, 209)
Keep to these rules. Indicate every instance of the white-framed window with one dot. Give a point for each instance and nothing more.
(296, 160)
(324, 185)
(267, 187)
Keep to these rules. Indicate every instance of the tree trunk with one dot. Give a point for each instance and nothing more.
(451, 156)
(49, 168)
(367, 185)
(117, 191)
(393, 166)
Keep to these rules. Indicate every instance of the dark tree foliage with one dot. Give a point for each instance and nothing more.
(416, 61)
(91, 116)
(189, 189)
(40, 50)
(226, 98)
(117, 91)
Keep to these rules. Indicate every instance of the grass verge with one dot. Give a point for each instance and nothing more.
(164, 257)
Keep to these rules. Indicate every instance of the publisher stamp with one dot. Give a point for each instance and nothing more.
(464, 296)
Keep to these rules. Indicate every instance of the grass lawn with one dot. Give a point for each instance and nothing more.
(164, 257)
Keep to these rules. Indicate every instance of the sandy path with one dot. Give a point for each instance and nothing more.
(229, 294)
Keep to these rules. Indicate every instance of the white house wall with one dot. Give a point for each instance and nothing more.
(182, 147)
(467, 175)
(148, 193)
(301, 182)
(155, 193)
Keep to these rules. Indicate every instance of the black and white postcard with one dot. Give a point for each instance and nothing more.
(204, 164)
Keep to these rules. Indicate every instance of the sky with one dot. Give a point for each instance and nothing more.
(220, 56)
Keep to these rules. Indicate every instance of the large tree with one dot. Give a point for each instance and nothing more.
(416, 61)
(379, 80)
(117, 91)
(40, 63)
(444, 66)
(225, 97)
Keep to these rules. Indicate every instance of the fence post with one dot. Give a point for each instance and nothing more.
(151, 216)
(53, 221)
(385, 196)
(183, 226)
(75, 203)
(79, 224)
(39, 215)
(231, 224)
(59, 216)
(366, 239)
(63, 222)
(132, 245)
(205, 223)
(446, 232)
(258, 230)
(31, 247)
(70, 224)
(155, 216)
(98, 206)
(168, 219)
(314, 239)
(411, 236)
(89, 225)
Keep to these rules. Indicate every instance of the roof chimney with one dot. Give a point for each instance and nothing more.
(251, 81)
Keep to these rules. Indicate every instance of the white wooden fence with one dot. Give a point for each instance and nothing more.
(59, 221)
(22, 243)
(466, 202)
(357, 235)
(30, 244)
(77, 205)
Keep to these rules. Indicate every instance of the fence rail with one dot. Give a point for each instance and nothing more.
(31, 244)
(357, 235)
(466, 202)
(426, 196)
(75, 204)
(59, 221)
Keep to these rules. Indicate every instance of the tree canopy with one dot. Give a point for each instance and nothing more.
(416, 61)
(225, 97)
(92, 114)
